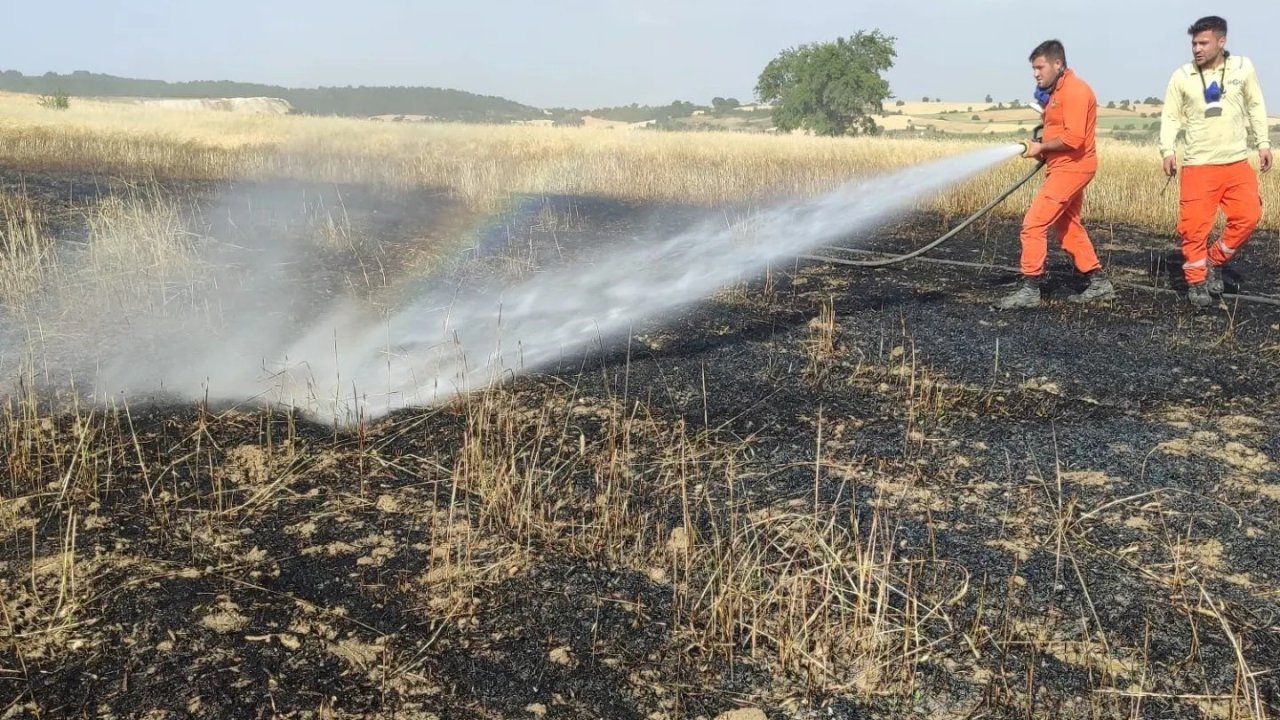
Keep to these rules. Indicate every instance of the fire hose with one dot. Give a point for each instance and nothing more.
(1036, 135)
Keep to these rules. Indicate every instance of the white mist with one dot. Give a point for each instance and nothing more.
(354, 364)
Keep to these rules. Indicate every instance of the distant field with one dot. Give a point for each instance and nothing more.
(978, 117)
(959, 119)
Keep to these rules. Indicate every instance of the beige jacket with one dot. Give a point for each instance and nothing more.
(1214, 140)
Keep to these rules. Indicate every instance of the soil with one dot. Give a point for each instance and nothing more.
(1088, 496)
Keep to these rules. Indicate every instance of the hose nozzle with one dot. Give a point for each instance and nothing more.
(1037, 135)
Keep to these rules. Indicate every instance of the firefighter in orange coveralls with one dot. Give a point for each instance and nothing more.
(1069, 148)
(1215, 102)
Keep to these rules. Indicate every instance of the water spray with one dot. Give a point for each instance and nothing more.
(438, 351)
(356, 362)
(1036, 136)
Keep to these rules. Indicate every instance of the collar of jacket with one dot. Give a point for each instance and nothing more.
(1062, 78)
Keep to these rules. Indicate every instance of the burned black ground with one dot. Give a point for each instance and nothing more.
(1093, 490)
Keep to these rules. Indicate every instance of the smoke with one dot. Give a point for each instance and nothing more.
(352, 361)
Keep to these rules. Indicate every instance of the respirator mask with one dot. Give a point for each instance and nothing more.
(1214, 91)
(1213, 99)
(1042, 99)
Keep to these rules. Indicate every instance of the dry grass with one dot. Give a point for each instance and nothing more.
(139, 251)
(27, 260)
(816, 597)
(821, 345)
(802, 591)
(487, 164)
(140, 261)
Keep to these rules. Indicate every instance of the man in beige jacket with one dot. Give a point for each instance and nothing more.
(1216, 103)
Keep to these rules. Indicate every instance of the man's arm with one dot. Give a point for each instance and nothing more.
(1036, 149)
(1075, 121)
(1171, 118)
(1257, 109)
(1054, 145)
(1075, 124)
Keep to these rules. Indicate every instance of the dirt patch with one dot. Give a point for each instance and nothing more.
(1210, 444)
(254, 105)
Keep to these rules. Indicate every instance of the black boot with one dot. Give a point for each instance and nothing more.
(1099, 288)
(1026, 296)
(1213, 281)
(1198, 294)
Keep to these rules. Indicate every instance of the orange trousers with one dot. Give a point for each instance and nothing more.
(1205, 188)
(1057, 206)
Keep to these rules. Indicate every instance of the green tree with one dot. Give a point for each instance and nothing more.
(568, 121)
(57, 101)
(441, 103)
(830, 88)
(720, 105)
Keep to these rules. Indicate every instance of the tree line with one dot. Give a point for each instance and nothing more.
(440, 103)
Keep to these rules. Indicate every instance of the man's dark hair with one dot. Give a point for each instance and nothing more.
(1209, 22)
(1049, 50)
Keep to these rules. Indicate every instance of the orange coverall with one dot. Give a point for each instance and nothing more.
(1204, 188)
(1070, 114)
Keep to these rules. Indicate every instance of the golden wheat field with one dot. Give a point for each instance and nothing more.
(486, 164)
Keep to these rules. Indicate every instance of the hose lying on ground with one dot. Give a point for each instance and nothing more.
(1260, 299)
(895, 259)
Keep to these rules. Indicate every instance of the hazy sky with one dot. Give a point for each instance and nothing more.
(586, 53)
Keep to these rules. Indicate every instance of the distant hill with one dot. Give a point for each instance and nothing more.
(362, 101)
